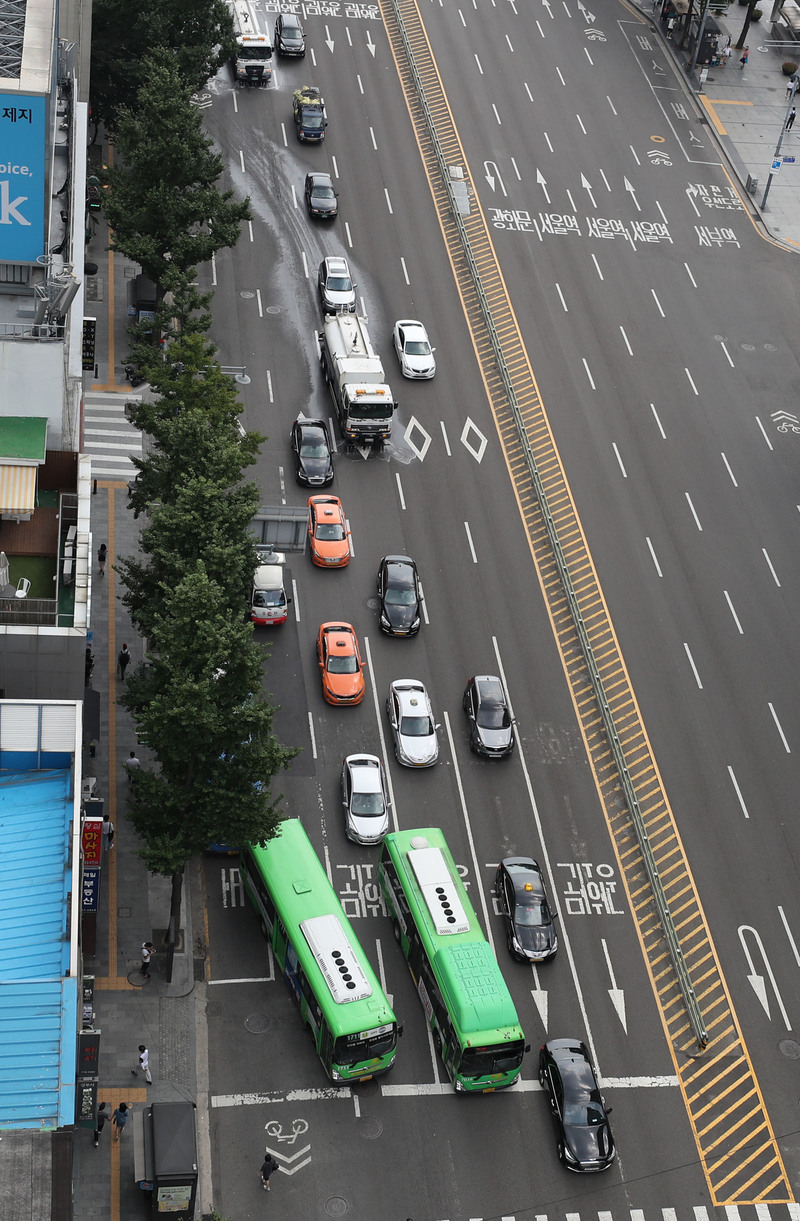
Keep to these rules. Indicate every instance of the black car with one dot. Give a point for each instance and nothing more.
(320, 196)
(400, 597)
(522, 897)
(491, 728)
(585, 1142)
(313, 452)
(289, 36)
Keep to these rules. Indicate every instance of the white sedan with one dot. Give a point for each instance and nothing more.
(413, 349)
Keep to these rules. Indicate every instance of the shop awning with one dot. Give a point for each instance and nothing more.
(17, 489)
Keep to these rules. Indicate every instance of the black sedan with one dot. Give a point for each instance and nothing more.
(491, 728)
(400, 597)
(311, 444)
(522, 897)
(289, 36)
(585, 1142)
(320, 196)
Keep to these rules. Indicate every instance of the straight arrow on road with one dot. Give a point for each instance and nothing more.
(617, 995)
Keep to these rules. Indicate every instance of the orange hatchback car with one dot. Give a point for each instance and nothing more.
(328, 535)
(340, 664)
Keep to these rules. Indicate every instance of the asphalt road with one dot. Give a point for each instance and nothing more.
(662, 351)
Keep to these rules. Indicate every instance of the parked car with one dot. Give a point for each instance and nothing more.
(522, 897)
(337, 292)
(289, 36)
(320, 196)
(413, 349)
(366, 806)
(579, 1111)
(340, 664)
(413, 726)
(328, 535)
(400, 597)
(491, 728)
(313, 452)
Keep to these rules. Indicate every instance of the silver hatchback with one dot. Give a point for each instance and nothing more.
(366, 806)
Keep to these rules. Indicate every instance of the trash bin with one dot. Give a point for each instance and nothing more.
(751, 185)
(165, 1157)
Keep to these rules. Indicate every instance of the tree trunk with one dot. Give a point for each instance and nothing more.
(174, 920)
(748, 17)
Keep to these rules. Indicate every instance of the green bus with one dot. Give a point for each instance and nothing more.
(468, 1006)
(329, 976)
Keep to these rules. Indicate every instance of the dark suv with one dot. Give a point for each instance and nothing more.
(491, 728)
(289, 36)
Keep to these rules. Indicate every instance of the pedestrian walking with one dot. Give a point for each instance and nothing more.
(791, 119)
(148, 950)
(101, 558)
(123, 661)
(744, 58)
(670, 27)
(132, 764)
(270, 1165)
(119, 1119)
(108, 832)
(727, 52)
(144, 1064)
(100, 1122)
(790, 88)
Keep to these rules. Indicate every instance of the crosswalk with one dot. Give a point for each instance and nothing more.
(108, 437)
(732, 1212)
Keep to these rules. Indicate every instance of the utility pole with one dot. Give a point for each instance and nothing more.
(777, 152)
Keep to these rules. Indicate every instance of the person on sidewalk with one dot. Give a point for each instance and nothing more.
(119, 1119)
(108, 832)
(123, 661)
(744, 58)
(790, 88)
(148, 950)
(144, 1064)
(101, 558)
(132, 764)
(269, 1166)
(791, 119)
(100, 1122)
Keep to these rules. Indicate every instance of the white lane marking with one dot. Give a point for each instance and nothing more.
(510, 46)
(561, 297)
(588, 56)
(633, 150)
(738, 791)
(560, 75)
(580, 121)
(619, 460)
(469, 540)
(360, 85)
(658, 421)
(588, 373)
(727, 353)
(269, 386)
(691, 663)
(544, 855)
(400, 492)
(730, 472)
(260, 306)
(795, 950)
(372, 138)
(611, 104)
(478, 62)
(769, 565)
(516, 170)
(694, 514)
(763, 432)
(349, 235)
(350, 543)
(446, 441)
(296, 601)
(597, 266)
(605, 180)
(658, 303)
(691, 382)
(733, 612)
(388, 201)
(424, 603)
(241, 160)
(405, 272)
(689, 274)
(313, 738)
(653, 555)
(786, 745)
(527, 90)
(627, 343)
(378, 717)
(497, 116)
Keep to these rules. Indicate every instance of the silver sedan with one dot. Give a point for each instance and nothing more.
(413, 726)
(413, 349)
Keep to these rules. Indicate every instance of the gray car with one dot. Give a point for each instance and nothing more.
(366, 806)
(337, 292)
(413, 726)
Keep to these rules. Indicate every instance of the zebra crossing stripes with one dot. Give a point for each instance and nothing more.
(698, 1212)
(108, 436)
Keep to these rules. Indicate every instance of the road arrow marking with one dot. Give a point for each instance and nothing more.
(542, 181)
(495, 177)
(540, 998)
(629, 187)
(328, 39)
(617, 995)
(587, 186)
(756, 981)
(371, 45)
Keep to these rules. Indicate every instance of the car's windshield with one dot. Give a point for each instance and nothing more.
(313, 120)
(330, 534)
(339, 284)
(364, 410)
(400, 596)
(367, 804)
(269, 597)
(320, 192)
(493, 716)
(313, 447)
(583, 1112)
(532, 915)
(417, 347)
(342, 665)
(416, 726)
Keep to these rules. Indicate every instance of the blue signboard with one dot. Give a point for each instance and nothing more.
(90, 901)
(22, 177)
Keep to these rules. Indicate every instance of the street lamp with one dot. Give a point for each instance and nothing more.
(777, 152)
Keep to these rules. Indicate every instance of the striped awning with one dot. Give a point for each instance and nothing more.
(17, 489)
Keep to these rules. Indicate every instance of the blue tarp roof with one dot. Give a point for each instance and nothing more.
(38, 1000)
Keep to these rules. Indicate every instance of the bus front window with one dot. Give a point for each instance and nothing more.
(354, 1048)
(487, 1061)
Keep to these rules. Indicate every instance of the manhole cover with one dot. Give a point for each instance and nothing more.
(214, 1009)
(257, 1023)
(247, 296)
(720, 338)
(273, 309)
(336, 1206)
(373, 603)
(770, 347)
(789, 1048)
(748, 347)
(369, 1128)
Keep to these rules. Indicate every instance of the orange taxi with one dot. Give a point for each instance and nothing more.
(328, 536)
(340, 664)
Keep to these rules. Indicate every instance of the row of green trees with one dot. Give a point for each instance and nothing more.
(197, 702)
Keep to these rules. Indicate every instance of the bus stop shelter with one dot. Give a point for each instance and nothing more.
(165, 1157)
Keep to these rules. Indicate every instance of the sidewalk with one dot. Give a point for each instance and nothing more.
(746, 111)
(134, 905)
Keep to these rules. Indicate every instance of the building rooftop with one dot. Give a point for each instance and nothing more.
(23, 437)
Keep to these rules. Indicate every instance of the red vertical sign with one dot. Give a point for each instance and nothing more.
(92, 840)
